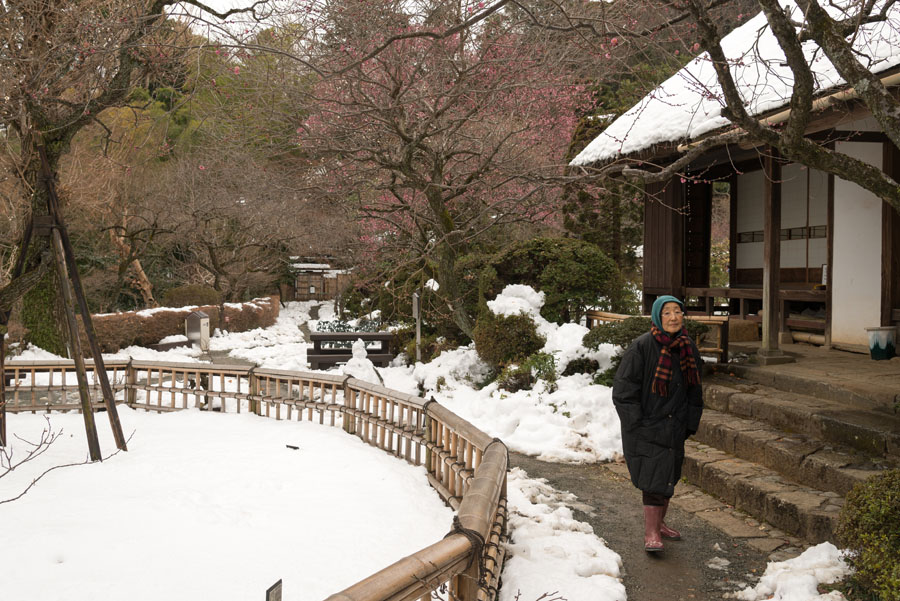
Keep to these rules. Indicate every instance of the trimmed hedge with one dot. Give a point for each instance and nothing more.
(117, 330)
(501, 340)
(869, 528)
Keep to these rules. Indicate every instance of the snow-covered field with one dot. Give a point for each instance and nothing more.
(551, 550)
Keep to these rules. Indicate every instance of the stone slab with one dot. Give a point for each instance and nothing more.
(766, 545)
(729, 524)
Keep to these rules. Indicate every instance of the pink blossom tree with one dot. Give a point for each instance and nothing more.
(438, 141)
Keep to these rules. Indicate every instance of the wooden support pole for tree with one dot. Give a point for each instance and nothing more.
(75, 349)
(72, 271)
(2, 386)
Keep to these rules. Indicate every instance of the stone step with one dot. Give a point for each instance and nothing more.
(864, 386)
(799, 458)
(871, 431)
(794, 508)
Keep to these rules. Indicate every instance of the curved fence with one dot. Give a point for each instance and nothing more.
(464, 465)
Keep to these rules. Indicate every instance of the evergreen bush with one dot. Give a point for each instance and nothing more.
(189, 295)
(538, 366)
(573, 274)
(869, 528)
(501, 340)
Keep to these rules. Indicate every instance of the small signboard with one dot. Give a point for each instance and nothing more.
(274, 592)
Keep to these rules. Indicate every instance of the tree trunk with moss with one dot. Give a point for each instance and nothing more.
(42, 317)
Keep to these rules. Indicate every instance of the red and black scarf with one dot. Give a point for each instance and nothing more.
(680, 344)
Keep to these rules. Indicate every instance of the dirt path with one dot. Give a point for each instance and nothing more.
(688, 570)
(313, 314)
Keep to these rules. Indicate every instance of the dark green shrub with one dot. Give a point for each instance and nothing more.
(432, 346)
(581, 366)
(573, 274)
(621, 334)
(539, 366)
(190, 294)
(501, 340)
(869, 527)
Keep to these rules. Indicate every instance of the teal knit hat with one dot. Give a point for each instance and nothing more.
(656, 311)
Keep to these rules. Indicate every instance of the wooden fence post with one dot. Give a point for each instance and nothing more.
(253, 382)
(130, 384)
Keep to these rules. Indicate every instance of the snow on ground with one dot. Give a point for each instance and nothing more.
(576, 422)
(207, 506)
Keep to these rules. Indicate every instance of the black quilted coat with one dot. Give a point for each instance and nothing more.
(654, 428)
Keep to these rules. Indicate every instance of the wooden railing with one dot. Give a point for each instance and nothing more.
(464, 465)
(720, 322)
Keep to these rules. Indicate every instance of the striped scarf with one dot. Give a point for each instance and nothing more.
(681, 344)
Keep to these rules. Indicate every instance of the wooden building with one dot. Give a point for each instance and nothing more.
(316, 281)
(809, 252)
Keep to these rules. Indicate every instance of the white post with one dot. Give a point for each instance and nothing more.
(417, 314)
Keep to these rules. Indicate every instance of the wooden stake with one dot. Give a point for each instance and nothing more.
(72, 270)
(75, 350)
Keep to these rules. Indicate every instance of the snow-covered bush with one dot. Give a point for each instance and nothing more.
(501, 340)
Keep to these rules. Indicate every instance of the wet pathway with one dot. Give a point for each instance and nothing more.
(706, 565)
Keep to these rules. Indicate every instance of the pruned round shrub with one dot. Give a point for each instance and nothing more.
(190, 294)
(869, 528)
(501, 340)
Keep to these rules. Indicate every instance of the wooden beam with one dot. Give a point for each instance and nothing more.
(769, 351)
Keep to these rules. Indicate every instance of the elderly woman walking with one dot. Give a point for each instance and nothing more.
(658, 397)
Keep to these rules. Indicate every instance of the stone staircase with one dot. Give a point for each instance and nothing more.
(785, 457)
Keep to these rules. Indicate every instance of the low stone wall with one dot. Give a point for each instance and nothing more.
(118, 330)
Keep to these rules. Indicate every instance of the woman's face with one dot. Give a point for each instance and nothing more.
(672, 318)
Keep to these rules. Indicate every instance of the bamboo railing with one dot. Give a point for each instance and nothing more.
(463, 464)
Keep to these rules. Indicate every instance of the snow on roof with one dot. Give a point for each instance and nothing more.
(311, 266)
(689, 104)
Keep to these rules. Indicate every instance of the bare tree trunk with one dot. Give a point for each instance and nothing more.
(140, 281)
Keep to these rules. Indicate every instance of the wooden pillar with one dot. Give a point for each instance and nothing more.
(769, 351)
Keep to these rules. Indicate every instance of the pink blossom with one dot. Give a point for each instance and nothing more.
(237, 70)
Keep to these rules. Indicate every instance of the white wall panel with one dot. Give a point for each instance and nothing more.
(749, 255)
(818, 198)
(793, 253)
(793, 196)
(856, 273)
(751, 190)
(818, 252)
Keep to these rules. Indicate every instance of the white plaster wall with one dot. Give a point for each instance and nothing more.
(855, 276)
(750, 218)
(793, 198)
(818, 252)
(793, 253)
(818, 198)
(749, 255)
(750, 209)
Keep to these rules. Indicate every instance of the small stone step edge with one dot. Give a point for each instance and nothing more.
(871, 432)
(878, 399)
(762, 493)
(798, 458)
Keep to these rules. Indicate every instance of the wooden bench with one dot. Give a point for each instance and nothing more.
(720, 322)
(331, 348)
